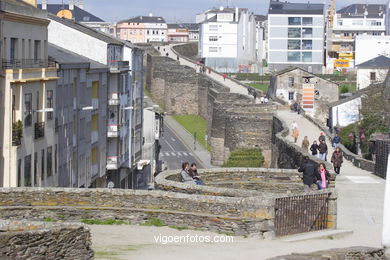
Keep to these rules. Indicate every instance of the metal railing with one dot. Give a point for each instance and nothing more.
(17, 137)
(299, 214)
(27, 63)
(39, 130)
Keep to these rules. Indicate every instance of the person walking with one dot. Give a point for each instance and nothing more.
(295, 135)
(337, 159)
(321, 138)
(308, 168)
(323, 149)
(305, 144)
(314, 148)
(185, 174)
(336, 141)
(224, 77)
(255, 94)
(295, 107)
(323, 177)
(294, 125)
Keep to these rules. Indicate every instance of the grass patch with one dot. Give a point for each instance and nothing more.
(259, 86)
(109, 221)
(194, 124)
(252, 158)
(251, 76)
(154, 222)
(345, 88)
(61, 216)
(105, 253)
(49, 220)
(147, 92)
(179, 227)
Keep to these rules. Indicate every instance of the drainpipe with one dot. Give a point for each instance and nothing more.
(386, 214)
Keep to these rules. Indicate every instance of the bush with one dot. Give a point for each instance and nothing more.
(344, 89)
(251, 158)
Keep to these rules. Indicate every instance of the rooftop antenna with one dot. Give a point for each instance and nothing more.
(227, 3)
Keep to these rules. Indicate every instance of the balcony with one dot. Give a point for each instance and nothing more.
(118, 65)
(39, 130)
(113, 163)
(112, 131)
(94, 137)
(113, 99)
(27, 64)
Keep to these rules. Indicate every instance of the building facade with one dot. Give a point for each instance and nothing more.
(296, 36)
(261, 51)
(373, 71)
(369, 47)
(29, 151)
(143, 29)
(349, 22)
(177, 33)
(228, 39)
(193, 31)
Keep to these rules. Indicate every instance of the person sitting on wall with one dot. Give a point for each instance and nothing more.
(323, 177)
(185, 174)
(193, 172)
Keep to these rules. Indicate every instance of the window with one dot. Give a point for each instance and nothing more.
(27, 171)
(49, 103)
(290, 95)
(213, 27)
(291, 81)
(294, 21)
(307, 21)
(294, 44)
(49, 161)
(376, 33)
(13, 50)
(35, 169)
(307, 32)
(306, 56)
(213, 49)
(294, 56)
(28, 109)
(294, 32)
(19, 180)
(346, 34)
(213, 38)
(43, 164)
(55, 159)
(372, 76)
(340, 23)
(37, 50)
(357, 22)
(307, 44)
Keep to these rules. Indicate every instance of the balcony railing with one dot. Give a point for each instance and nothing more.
(117, 64)
(16, 137)
(27, 63)
(39, 130)
(113, 163)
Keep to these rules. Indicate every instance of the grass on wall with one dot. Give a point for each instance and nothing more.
(259, 86)
(251, 158)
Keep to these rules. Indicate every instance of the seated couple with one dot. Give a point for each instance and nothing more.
(190, 174)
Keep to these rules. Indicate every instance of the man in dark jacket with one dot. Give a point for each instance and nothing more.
(323, 149)
(309, 172)
(336, 141)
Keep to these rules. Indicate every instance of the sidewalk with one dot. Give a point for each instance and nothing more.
(360, 193)
(201, 154)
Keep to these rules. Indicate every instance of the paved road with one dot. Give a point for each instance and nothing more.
(174, 152)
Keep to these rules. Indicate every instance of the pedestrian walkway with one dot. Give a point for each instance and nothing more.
(360, 193)
(196, 150)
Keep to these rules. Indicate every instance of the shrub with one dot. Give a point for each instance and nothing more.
(251, 158)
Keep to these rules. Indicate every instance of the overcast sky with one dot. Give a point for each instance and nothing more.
(180, 10)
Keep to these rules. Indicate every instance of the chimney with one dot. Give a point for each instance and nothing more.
(236, 14)
(44, 4)
(71, 5)
(31, 2)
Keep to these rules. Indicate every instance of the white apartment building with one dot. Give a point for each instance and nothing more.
(373, 71)
(29, 151)
(177, 33)
(352, 21)
(125, 93)
(143, 29)
(228, 39)
(369, 47)
(296, 36)
(261, 51)
(81, 116)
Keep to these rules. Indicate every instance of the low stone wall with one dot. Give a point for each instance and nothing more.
(355, 253)
(39, 240)
(357, 160)
(287, 155)
(214, 213)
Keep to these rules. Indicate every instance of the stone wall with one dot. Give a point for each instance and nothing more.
(189, 50)
(355, 253)
(40, 240)
(234, 120)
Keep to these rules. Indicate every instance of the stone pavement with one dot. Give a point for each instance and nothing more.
(200, 153)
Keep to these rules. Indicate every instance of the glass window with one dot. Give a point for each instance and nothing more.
(213, 38)
(306, 56)
(19, 173)
(357, 22)
(294, 56)
(307, 21)
(27, 171)
(340, 22)
(307, 32)
(290, 95)
(49, 103)
(43, 164)
(294, 32)
(37, 50)
(213, 49)
(372, 76)
(28, 109)
(294, 44)
(291, 81)
(49, 161)
(307, 44)
(294, 21)
(213, 27)
(35, 169)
